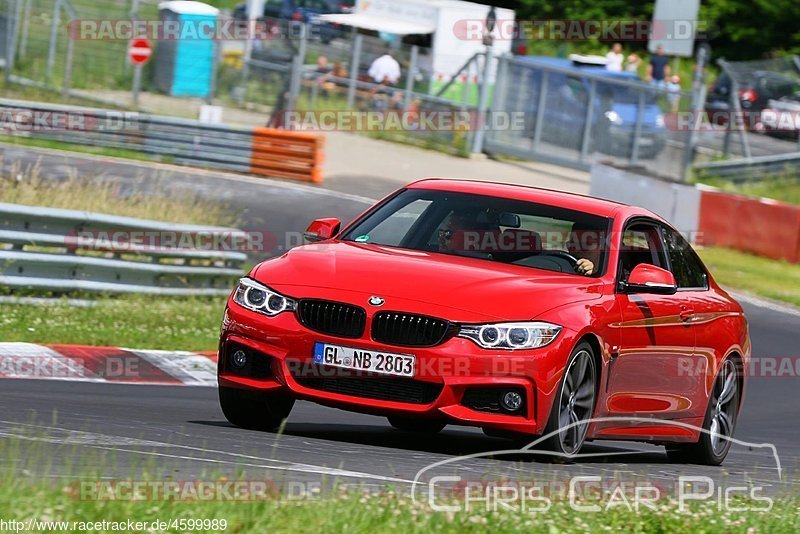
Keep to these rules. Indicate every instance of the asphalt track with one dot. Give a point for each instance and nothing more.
(179, 432)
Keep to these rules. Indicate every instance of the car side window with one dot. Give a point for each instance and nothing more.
(392, 230)
(641, 243)
(686, 266)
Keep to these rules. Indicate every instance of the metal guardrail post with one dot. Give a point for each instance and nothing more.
(637, 129)
(587, 129)
(354, 65)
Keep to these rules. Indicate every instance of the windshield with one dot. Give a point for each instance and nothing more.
(489, 228)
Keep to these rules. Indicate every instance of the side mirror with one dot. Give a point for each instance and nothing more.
(322, 229)
(647, 278)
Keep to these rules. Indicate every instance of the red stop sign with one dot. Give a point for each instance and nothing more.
(139, 51)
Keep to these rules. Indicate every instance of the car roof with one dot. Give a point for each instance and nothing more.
(564, 63)
(572, 201)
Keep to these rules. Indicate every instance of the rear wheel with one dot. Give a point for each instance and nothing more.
(574, 404)
(719, 423)
(410, 424)
(254, 410)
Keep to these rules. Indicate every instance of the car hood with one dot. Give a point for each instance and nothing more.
(455, 288)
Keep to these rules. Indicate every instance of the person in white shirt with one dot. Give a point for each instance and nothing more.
(615, 58)
(385, 70)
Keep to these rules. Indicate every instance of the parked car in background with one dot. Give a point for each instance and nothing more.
(614, 114)
(301, 11)
(781, 117)
(755, 92)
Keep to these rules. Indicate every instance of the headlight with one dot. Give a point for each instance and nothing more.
(259, 298)
(613, 117)
(660, 121)
(511, 336)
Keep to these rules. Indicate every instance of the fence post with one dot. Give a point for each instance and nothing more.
(26, 18)
(465, 87)
(9, 41)
(412, 72)
(537, 127)
(698, 100)
(215, 61)
(637, 129)
(15, 37)
(68, 69)
(500, 92)
(51, 52)
(587, 129)
(296, 75)
(354, 63)
(483, 102)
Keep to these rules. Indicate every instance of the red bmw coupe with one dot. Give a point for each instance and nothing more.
(522, 311)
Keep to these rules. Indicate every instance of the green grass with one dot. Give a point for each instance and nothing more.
(133, 321)
(784, 188)
(387, 511)
(75, 147)
(97, 194)
(777, 280)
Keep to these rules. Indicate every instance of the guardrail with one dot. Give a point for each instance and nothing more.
(68, 250)
(260, 151)
(756, 168)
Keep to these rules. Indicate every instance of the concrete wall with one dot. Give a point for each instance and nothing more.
(677, 203)
(763, 227)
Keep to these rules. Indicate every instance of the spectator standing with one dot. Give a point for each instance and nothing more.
(658, 71)
(385, 70)
(615, 58)
(633, 63)
(674, 87)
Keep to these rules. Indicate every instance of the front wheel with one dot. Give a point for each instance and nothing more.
(718, 425)
(410, 424)
(254, 410)
(574, 404)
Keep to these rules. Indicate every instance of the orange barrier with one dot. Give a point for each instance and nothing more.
(287, 154)
(763, 227)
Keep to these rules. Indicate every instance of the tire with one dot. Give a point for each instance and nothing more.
(410, 424)
(719, 423)
(254, 410)
(574, 404)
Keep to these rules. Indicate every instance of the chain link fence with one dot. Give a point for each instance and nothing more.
(552, 110)
(574, 115)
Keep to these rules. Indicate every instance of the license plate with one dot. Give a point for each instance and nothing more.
(386, 363)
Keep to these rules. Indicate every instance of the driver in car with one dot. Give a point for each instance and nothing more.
(585, 244)
(584, 241)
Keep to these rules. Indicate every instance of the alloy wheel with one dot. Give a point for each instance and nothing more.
(576, 402)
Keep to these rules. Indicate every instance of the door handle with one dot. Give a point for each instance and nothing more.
(686, 314)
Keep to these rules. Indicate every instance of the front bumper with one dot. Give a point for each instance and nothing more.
(454, 381)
